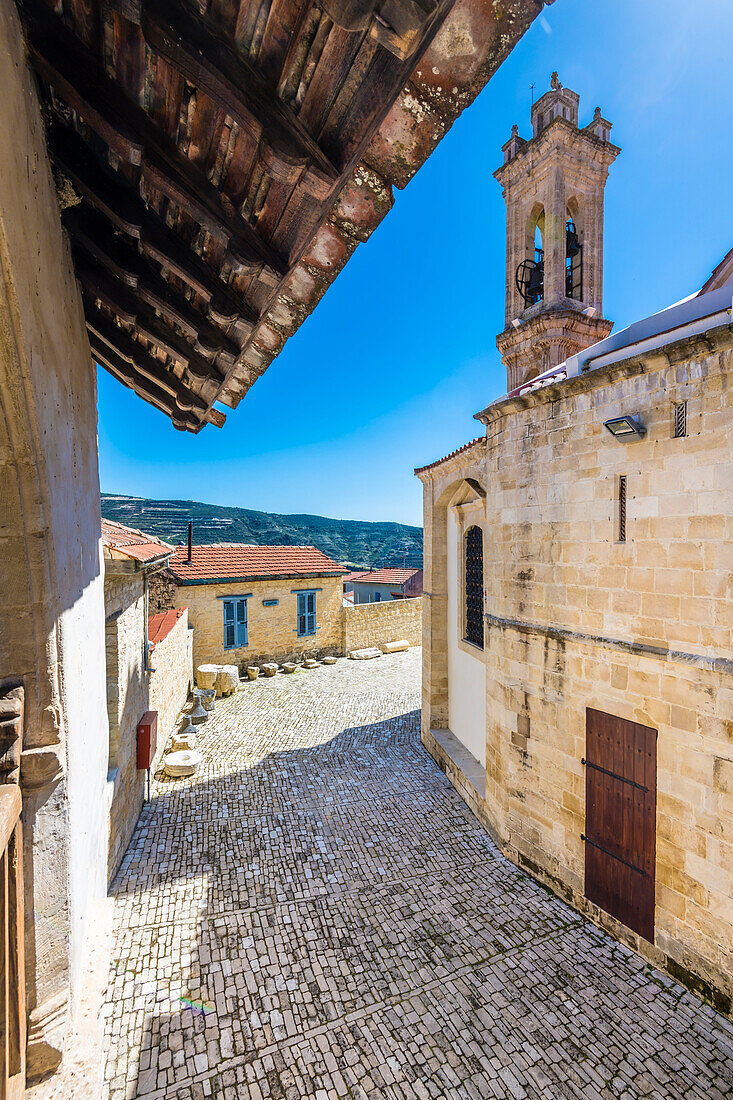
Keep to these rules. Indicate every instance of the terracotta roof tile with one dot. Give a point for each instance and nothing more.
(387, 576)
(239, 561)
(355, 576)
(161, 624)
(460, 450)
(132, 543)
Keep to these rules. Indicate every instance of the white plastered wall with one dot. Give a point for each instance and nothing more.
(466, 672)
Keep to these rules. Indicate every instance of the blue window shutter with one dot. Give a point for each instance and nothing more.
(241, 622)
(229, 626)
(306, 614)
(235, 623)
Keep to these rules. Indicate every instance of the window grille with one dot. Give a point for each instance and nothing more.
(680, 420)
(622, 508)
(474, 551)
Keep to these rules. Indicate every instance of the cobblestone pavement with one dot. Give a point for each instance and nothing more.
(316, 914)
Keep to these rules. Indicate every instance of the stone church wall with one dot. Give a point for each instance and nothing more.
(369, 624)
(51, 602)
(640, 629)
(553, 559)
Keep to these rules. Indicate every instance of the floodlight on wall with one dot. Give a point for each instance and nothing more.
(625, 427)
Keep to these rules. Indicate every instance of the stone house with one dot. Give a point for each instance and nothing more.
(250, 604)
(377, 585)
(131, 558)
(578, 638)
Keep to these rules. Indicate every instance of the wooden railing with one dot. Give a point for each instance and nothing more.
(12, 983)
(12, 962)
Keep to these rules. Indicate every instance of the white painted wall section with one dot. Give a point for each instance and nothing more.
(466, 673)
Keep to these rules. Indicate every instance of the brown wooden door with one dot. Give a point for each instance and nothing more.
(620, 819)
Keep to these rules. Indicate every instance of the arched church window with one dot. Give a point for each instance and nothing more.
(573, 261)
(474, 574)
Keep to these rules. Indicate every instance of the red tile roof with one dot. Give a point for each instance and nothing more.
(230, 561)
(460, 450)
(132, 543)
(161, 624)
(355, 576)
(387, 576)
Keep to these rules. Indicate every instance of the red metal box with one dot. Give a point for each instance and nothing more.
(147, 738)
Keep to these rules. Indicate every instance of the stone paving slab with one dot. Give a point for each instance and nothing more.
(317, 914)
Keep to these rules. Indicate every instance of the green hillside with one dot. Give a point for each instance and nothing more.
(346, 540)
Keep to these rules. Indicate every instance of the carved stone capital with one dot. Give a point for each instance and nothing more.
(40, 768)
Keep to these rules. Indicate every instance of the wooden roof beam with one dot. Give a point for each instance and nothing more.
(95, 235)
(193, 47)
(125, 209)
(110, 338)
(96, 283)
(395, 24)
(124, 372)
(77, 76)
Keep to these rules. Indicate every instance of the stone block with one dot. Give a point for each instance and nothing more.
(252, 672)
(227, 679)
(185, 762)
(183, 742)
(208, 695)
(365, 654)
(394, 647)
(269, 669)
(206, 675)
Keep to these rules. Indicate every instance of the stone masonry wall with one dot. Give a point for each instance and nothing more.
(640, 629)
(127, 695)
(553, 558)
(368, 624)
(172, 660)
(51, 597)
(272, 631)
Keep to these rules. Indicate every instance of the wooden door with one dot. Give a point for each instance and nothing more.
(620, 819)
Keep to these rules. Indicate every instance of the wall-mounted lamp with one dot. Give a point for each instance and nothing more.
(625, 427)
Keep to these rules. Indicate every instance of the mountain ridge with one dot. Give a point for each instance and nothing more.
(362, 543)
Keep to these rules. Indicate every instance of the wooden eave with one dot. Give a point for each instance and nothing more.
(218, 162)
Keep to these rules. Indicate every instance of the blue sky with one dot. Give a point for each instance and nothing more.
(388, 371)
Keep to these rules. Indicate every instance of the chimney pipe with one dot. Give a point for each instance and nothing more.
(190, 538)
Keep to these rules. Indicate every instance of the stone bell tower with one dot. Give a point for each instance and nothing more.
(553, 187)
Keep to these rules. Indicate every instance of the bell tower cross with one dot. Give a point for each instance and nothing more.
(553, 187)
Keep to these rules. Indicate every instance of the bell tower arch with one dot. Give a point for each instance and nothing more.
(553, 185)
